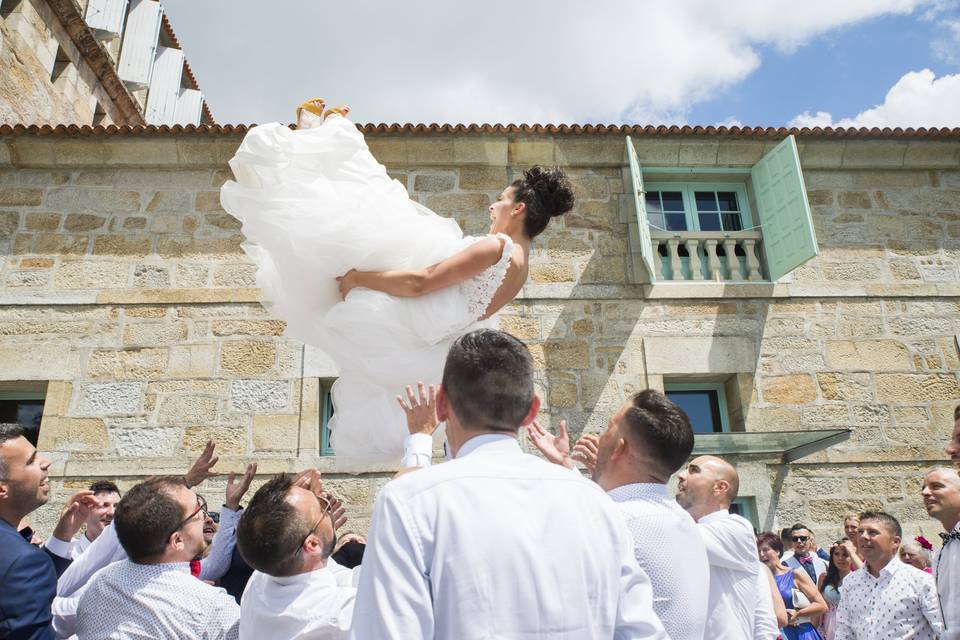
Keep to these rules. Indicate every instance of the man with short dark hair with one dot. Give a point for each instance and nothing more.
(645, 443)
(107, 495)
(496, 542)
(886, 598)
(941, 497)
(803, 556)
(28, 574)
(287, 534)
(159, 522)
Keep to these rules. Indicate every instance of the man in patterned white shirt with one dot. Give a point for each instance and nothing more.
(953, 449)
(153, 595)
(941, 497)
(886, 599)
(645, 443)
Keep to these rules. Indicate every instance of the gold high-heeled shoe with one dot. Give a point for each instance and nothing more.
(341, 110)
(313, 105)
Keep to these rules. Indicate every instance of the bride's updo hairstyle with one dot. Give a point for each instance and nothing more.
(547, 193)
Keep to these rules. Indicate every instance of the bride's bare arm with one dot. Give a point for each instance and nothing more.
(408, 284)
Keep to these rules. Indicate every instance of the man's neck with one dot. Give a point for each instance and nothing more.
(950, 521)
(12, 516)
(613, 479)
(880, 565)
(699, 515)
(90, 535)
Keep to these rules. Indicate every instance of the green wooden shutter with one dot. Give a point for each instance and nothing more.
(788, 236)
(640, 201)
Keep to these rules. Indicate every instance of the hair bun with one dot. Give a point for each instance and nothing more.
(552, 188)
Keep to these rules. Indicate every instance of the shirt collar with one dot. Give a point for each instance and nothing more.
(489, 442)
(321, 576)
(716, 515)
(890, 569)
(638, 490)
(163, 566)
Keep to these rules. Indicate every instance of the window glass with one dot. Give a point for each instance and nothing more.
(672, 200)
(327, 413)
(690, 208)
(702, 407)
(665, 210)
(26, 413)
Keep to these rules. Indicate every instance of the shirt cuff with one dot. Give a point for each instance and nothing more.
(417, 450)
(227, 515)
(58, 547)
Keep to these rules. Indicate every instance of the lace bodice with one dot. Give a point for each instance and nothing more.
(480, 289)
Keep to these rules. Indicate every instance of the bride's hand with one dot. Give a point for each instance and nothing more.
(347, 282)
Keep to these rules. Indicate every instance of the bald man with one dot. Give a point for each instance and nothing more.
(941, 497)
(740, 605)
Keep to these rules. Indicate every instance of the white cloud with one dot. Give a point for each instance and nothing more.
(918, 99)
(729, 121)
(947, 46)
(501, 60)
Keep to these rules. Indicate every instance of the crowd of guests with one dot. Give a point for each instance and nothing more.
(494, 543)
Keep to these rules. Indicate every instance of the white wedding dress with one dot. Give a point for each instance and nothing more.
(314, 204)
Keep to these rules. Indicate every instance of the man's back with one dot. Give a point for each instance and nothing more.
(732, 553)
(309, 605)
(501, 544)
(669, 548)
(130, 601)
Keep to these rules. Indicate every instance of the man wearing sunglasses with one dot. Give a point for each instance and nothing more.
(152, 594)
(287, 534)
(804, 556)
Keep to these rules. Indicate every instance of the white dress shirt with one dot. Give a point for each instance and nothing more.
(417, 450)
(669, 549)
(734, 564)
(106, 549)
(307, 606)
(79, 544)
(899, 604)
(500, 544)
(947, 571)
(129, 601)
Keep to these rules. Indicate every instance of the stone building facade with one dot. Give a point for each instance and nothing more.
(128, 306)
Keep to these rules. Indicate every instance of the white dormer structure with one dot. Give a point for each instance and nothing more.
(189, 107)
(165, 84)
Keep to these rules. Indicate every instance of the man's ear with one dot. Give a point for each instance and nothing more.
(532, 413)
(621, 448)
(175, 541)
(443, 405)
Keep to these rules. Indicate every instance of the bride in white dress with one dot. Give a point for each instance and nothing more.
(380, 283)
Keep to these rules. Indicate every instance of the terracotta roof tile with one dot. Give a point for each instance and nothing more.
(534, 129)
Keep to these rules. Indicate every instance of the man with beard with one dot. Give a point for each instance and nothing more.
(152, 594)
(107, 496)
(28, 574)
(287, 534)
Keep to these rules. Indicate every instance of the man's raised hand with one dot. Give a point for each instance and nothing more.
(585, 451)
(420, 409)
(555, 448)
(201, 469)
(237, 489)
(74, 513)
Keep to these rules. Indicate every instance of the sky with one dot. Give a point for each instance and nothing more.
(700, 62)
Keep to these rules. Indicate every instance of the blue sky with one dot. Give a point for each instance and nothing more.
(750, 62)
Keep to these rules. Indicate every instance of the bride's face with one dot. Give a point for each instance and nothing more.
(504, 213)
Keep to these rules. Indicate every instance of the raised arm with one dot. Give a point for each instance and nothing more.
(413, 283)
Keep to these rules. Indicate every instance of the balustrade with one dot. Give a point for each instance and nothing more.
(707, 256)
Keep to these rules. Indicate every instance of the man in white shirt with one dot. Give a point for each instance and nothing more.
(648, 440)
(497, 543)
(107, 496)
(953, 448)
(941, 497)
(160, 525)
(738, 608)
(287, 535)
(803, 556)
(886, 599)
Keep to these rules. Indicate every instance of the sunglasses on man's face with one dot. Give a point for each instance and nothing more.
(800, 538)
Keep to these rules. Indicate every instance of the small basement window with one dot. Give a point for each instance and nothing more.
(23, 406)
(704, 402)
(326, 412)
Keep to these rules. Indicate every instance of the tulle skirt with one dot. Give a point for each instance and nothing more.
(314, 204)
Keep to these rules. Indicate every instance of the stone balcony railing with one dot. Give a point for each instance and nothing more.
(707, 255)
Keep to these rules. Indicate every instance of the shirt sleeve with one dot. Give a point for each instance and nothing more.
(930, 605)
(727, 546)
(417, 450)
(844, 625)
(65, 615)
(764, 618)
(394, 599)
(217, 562)
(225, 612)
(101, 552)
(58, 547)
